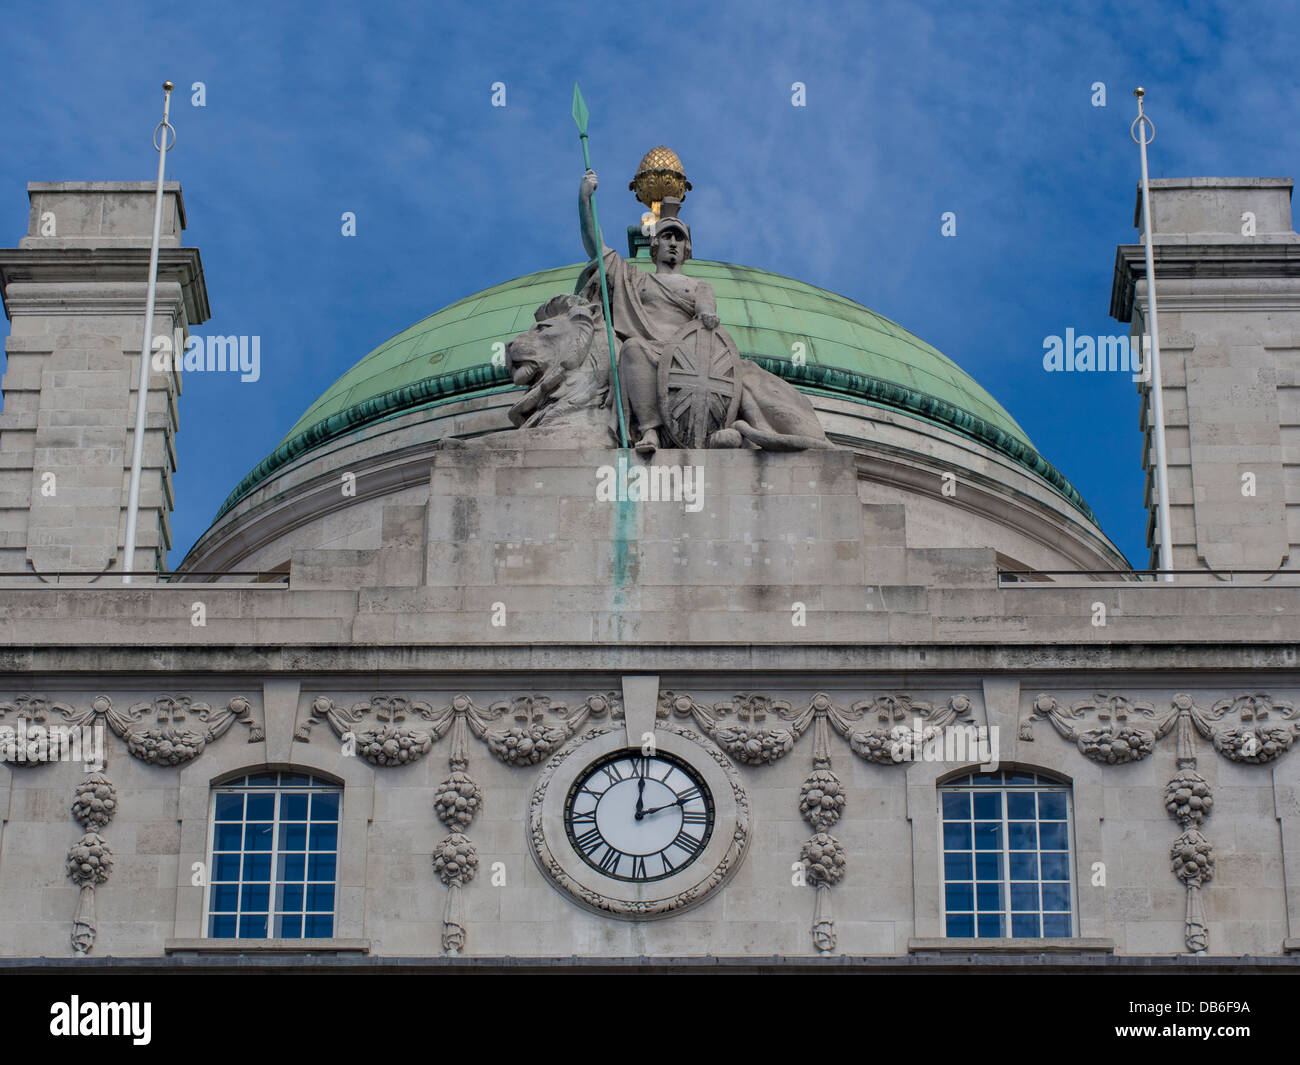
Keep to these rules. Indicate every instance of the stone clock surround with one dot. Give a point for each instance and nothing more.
(559, 861)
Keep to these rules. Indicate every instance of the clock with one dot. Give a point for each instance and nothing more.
(639, 832)
(638, 817)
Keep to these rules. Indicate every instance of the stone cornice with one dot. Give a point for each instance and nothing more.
(756, 661)
(1204, 261)
(77, 265)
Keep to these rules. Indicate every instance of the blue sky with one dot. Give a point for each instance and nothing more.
(912, 110)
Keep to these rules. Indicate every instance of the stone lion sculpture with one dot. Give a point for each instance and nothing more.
(562, 363)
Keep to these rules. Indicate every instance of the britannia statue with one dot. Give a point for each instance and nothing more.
(682, 380)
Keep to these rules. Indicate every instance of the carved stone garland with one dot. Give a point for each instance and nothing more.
(160, 732)
(90, 860)
(1251, 736)
(751, 738)
(821, 801)
(404, 730)
(456, 801)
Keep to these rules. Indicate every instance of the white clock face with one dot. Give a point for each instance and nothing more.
(639, 818)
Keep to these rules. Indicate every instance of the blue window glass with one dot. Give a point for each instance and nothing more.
(318, 926)
(1024, 866)
(225, 898)
(293, 866)
(321, 867)
(959, 896)
(1056, 866)
(222, 926)
(252, 926)
(293, 807)
(988, 865)
(957, 865)
(230, 808)
(1006, 860)
(961, 924)
(325, 807)
(1020, 805)
(274, 857)
(988, 835)
(1025, 926)
(956, 804)
(1051, 806)
(1024, 896)
(225, 867)
(1056, 897)
(1056, 924)
(261, 806)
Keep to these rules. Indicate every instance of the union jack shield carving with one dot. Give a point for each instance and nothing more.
(699, 384)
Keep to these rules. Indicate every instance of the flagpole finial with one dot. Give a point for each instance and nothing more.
(168, 86)
(1139, 92)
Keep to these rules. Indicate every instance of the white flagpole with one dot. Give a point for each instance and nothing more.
(1138, 131)
(146, 350)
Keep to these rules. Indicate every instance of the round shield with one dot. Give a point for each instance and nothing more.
(699, 384)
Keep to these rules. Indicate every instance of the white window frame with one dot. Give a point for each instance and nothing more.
(320, 785)
(1044, 781)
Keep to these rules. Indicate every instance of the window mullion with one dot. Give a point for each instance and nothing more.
(1006, 862)
(275, 836)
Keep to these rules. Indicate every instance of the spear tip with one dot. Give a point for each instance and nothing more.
(580, 112)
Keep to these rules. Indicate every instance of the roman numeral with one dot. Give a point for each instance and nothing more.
(691, 794)
(688, 843)
(668, 866)
(638, 868)
(640, 766)
(612, 771)
(695, 817)
(589, 841)
(609, 861)
(583, 817)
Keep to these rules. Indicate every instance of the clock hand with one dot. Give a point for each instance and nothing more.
(640, 806)
(656, 809)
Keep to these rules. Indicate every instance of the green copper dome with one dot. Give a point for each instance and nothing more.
(850, 352)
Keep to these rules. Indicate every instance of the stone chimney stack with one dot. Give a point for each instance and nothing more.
(1227, 266)
(74, 292)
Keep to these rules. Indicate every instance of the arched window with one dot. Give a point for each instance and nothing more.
(274, 859)
(1007, 856)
